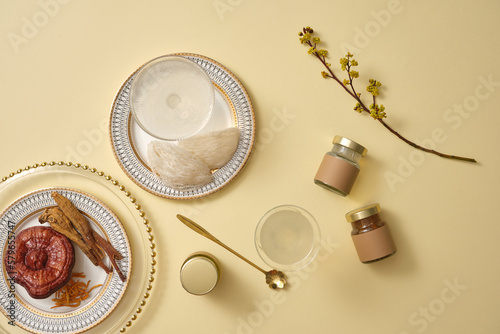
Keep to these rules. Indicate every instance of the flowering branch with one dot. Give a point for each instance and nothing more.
(375, 110)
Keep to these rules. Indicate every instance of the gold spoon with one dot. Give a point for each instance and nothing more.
(275, 279)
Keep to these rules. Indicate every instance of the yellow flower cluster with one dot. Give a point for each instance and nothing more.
(377, 112)
(358, 107)
(323, 52)
(305, 35)
(346, 64)
(373, 87)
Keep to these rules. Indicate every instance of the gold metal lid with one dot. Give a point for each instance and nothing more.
(200, 263)
(364, 212)
(350, 144)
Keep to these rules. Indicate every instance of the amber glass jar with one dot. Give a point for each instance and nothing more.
(370, 234)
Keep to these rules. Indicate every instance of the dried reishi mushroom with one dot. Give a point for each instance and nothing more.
(44, 260)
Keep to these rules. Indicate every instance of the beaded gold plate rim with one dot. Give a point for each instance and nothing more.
(138, 210)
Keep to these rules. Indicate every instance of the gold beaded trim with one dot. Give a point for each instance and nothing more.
(133, 200)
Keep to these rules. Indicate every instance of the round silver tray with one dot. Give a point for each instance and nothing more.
(232, 108)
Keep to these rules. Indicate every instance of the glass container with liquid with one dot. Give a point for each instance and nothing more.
(171, 97)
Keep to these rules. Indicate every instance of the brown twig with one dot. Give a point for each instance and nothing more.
(355, 95)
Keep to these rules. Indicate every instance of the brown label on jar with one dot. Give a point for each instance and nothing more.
(375, 244)
(337, 173)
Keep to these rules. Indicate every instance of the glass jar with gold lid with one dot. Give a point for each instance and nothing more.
(370, 234)
(340, 167)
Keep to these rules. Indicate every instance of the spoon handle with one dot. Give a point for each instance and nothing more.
(197, 228)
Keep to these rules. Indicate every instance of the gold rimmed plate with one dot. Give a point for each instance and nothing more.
(39, 315)
(115, 214)
(232, 108)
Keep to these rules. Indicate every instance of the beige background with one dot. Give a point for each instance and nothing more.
(438, 61)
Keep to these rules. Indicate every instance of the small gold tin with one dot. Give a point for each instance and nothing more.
(200, 273)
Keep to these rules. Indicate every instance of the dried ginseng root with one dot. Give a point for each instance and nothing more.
(89, 236)
(60, 223)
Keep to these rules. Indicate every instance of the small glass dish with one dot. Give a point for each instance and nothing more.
(287, 238)
(171, 97)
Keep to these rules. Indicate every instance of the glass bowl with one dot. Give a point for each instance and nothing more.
(287, 238)
(171, 97)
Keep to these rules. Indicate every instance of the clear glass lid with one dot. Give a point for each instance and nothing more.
(171, 97)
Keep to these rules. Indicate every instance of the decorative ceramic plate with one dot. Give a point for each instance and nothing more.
(38, 315)
(232, 108)
(113, 213)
